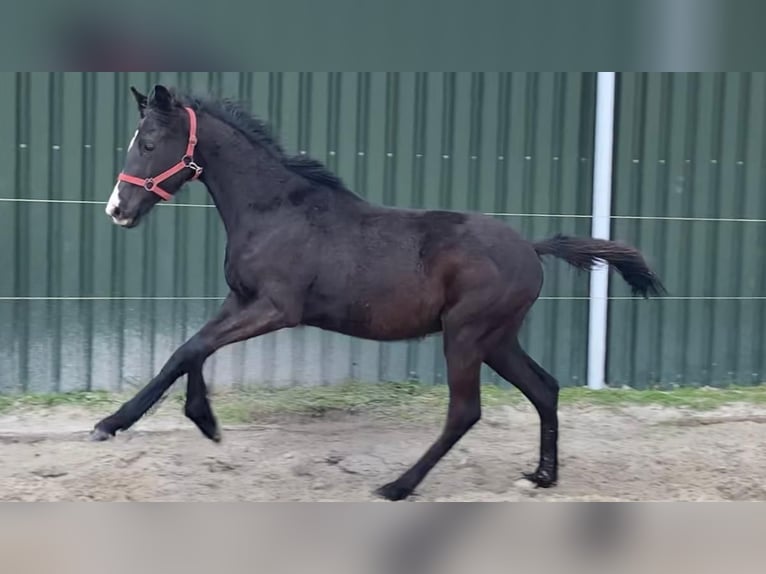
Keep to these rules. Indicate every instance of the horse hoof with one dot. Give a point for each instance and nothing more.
(393, 492)
(210, 430)
(541, 479)
(98, 435)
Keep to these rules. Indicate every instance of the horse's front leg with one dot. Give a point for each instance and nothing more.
(197, 407)
(236, 321)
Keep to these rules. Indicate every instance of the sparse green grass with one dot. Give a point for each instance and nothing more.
(95, 399)
(405, 400)
(686, 397)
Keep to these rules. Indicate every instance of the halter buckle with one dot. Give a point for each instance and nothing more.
(191, 164)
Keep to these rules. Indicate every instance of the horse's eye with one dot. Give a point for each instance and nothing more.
(148, 146)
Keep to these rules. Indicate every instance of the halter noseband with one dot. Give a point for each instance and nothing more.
(187, 161)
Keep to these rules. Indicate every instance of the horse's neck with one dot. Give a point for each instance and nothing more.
(243, 181)
(249, 185)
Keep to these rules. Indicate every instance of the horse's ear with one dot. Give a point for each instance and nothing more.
(141, 100)
(161, 98)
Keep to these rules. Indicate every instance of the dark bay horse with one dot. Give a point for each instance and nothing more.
(303, 249)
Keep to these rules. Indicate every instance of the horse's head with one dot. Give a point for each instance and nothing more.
(160, 157)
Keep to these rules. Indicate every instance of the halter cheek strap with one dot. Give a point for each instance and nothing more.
(187, 161)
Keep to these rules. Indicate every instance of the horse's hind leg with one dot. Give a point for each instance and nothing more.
(463, 412)
(464, 354)
(510, 361)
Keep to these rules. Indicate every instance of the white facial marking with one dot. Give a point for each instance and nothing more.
(114, 200)
(133, 140)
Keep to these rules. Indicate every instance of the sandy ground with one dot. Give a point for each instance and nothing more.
(631, 453)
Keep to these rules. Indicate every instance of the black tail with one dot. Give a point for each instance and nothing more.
(584, 253)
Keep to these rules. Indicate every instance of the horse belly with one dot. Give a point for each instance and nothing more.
(396, 315)
(402, 315)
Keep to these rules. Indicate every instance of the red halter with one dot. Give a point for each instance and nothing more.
(187, 161)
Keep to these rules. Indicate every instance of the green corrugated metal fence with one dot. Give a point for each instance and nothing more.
(691, 148)
(87, 305)
(495, 142)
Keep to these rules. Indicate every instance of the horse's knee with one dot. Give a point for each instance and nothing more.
(196, 391)
(194, 407)
(472, 417)
(464, 416)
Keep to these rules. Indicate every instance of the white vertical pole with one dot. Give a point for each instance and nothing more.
(602, 210)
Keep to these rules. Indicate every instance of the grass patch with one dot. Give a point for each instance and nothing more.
(687, 397)
(402, 399)
(405, 400)
(94, 399)
(413, 401)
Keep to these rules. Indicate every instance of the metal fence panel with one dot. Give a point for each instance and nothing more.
(690, 148)
(85, 305)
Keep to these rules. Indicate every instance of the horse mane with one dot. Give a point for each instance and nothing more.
(261, 134)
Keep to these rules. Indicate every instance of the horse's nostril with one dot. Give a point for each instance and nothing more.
(116, 213)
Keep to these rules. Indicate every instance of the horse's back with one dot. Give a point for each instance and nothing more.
(435, 246)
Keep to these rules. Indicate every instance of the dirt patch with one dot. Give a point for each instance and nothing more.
(628, 453)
